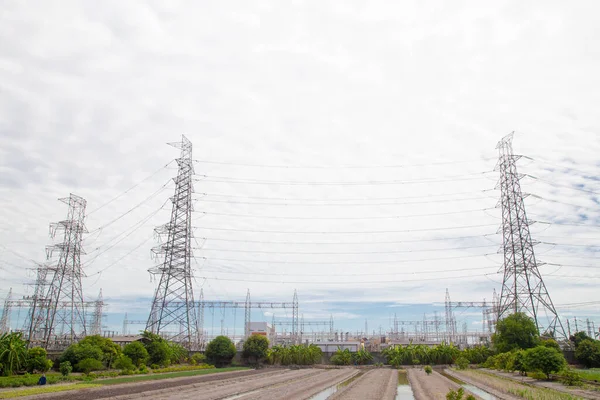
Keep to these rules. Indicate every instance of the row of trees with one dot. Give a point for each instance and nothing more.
(413, 354)
(15, 357)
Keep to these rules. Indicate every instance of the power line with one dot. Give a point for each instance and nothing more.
(348, 243)
(551, 183)
(342, 218)
(338, 166)
(344, 252)
(346, 262)
(346, 233)
(130, 189)
(225, 179)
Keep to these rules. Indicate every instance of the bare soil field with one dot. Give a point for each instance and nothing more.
(429, 387)
(378, 384)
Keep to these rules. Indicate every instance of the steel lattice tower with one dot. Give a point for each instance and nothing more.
(65, 313)
(6, 311)
(173, 314)
(523, 289)
(36, 318)
(96, 322)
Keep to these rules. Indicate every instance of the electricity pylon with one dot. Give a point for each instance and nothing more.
(173, 313)
(523, 289)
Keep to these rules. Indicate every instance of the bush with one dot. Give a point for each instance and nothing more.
(341, 357)
(545, 359)
(158, 349)
(362, 357)
(124, 363)
(256, 348)
(462, 363)
(220, 351)
(36, 360)
(588, 353)
(137, 353)
(458, 395)
(197, 358)
(65, 368)
(569, 377)
(428, 370)
(144, 370)
(89, 364)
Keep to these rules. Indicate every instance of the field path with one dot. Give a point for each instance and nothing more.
(377, 384)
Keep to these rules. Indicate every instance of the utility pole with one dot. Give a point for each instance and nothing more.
(523, 289)
(173, 313)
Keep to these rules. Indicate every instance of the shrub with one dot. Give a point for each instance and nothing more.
(588, 353)
(13, 352)
(569, 377)
(197, 358)
(362, 357)
(220, 350)
(144, 370)
(342, 357)
(158, 349)
(137, 353)
(458, 395)
(428, 370)
(124, 363)
(89, 364)
(36, 360)
(256, 348)
(545, 359)
(65, 368)
(462, 363)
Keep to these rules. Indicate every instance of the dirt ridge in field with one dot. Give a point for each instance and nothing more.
(374, 385)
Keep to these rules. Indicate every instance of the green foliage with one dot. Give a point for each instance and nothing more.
(458, 395)
(420, 354)
(137, 353)
(517, 331)
(198, 358)
(428, 370)
(477, 354)
(89, 364)
(518, 362)
(362, 357)
(78, 352)
(36, 360)
(462, 363)
(550, 343)
(545, 359)
(256, 348)
(177, 353)
(588, 353)
(110, 350)
(180, 368)
(124, 363)
(341, 357)
(158, 349)
(220, 351)
(295, 355)
(13, 353)
(569, 377)
(579, 337)
(65, 368)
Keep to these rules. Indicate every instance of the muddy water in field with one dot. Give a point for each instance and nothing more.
(404, 391)
(332, 389)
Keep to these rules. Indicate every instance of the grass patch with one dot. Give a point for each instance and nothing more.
(154, 377)
(45, 389)
(592, 374)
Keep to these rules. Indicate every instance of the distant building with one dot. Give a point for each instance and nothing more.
(126, 339)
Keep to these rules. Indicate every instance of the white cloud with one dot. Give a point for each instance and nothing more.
(90, 94)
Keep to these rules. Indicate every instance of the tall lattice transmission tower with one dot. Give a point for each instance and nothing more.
(523, 289)
(65, 313)
(6, 311)
(173, 313)
(96, 321)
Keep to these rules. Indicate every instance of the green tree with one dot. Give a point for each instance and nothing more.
(177, 353)
(545, 359)
(342, 357)
(255, 348)
(517, 331)
(88, 365)
(578, 337)
(37, 360)
(158, 349)
(78, 352)
(588, 353)
(137, 353)
(65, 368)
(13, 353)
(220, 351)
(362, 357)
(550, 343)
(124, 363)
(110, 350)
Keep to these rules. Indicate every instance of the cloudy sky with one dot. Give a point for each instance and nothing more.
(343, 149)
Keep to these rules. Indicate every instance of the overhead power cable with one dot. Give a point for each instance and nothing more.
(330, 282)
(131, 188)
(551, 183)
(346, 262)
(343, 218)
(347, 243)
(346, 233)
(311, 253)
(341, 166)
(225, 179)
(348, 274)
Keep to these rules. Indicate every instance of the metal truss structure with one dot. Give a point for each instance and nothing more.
(172, 313)
(523, 289)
